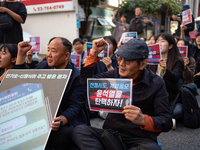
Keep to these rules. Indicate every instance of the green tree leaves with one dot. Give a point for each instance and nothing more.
(151, 6)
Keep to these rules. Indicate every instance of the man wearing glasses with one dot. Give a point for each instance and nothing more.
(140, 123)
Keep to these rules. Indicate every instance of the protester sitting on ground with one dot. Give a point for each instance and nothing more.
(108, 63)
(189, 64)
(196, 50)
(152, 40)
(72, 111)
(140, 123)
(170, 68)
(8, 55)
(78, 45)
(120, 26)
(187, 78)
(30, 64)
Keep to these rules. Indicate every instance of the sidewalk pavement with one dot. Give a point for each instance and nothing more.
(182, 138)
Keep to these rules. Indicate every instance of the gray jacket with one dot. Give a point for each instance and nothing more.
(144, 34)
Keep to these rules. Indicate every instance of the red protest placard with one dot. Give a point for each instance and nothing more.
(187, 16)
(193, 35)
(35, 42)
(183, 51)
(154, 54)
(76, 59)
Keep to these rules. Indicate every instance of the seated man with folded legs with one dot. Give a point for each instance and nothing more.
(72, 111)
(140, 123)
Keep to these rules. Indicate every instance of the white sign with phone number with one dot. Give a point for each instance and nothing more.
(45, 7)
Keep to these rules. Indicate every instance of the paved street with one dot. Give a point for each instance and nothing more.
(180, 139)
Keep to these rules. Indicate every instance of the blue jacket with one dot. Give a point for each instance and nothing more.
(150, 95)
(73, 105)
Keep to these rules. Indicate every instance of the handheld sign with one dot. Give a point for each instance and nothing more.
(35, 42)
(193, 35)
(102, 54)
(183, 51)
(109, 95)
(76, 59)
(187, 16)
(126, 36)
(154, 54)
(28, 104)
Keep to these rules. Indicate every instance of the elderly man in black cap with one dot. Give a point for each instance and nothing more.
(187, 28)
(140, 123)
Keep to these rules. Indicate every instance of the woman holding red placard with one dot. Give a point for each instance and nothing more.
(189, 64)
(170, 68)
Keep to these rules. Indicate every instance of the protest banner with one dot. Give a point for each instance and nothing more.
(187, 17)
(104, 53)
(154, 54)
(35, 42)
(76, 59)
(28, 104)
(126, 36)
(183, 51)
(109, 95)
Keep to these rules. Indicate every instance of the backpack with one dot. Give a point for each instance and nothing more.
(191, 110)
(136, 25)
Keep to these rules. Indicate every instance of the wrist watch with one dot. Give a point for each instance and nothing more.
(61, 123)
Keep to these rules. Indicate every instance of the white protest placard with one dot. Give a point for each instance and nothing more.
(187, 16)
(126, 36)
(29, 100)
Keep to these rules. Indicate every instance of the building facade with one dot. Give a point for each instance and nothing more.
(51, 18)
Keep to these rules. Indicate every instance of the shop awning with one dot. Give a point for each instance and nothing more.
(105, 22)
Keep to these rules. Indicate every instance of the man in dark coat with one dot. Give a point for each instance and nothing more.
(140, 123)
(72, 111)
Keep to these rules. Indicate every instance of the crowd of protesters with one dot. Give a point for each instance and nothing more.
(155, 87)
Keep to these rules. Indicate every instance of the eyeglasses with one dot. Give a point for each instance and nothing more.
(119, 59)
